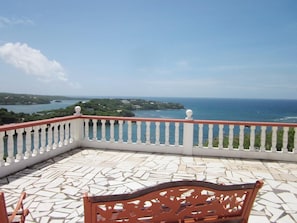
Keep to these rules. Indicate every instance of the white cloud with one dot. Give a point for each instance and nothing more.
(4, 21)
(32, 62)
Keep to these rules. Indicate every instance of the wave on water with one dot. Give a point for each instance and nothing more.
(290, 119)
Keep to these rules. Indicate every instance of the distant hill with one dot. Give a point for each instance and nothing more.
(100, 107)
(29, 99)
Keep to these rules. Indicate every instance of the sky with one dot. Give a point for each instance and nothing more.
(150, 48)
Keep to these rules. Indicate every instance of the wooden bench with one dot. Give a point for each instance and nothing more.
(181, 201)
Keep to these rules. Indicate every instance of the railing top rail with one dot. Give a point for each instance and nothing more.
(245, 123)
(135, 119)
(215, 122)
(35, 123)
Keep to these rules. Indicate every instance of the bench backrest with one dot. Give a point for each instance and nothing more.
(181, 201)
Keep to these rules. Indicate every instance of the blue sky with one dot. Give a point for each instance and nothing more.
(166, 48)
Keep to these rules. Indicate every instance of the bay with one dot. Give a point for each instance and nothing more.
(29, 109)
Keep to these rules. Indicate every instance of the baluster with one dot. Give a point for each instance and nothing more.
(121, 122)
(221, 136)
(49, 138)
(263, 138)
(157, 133)
(138, 124)
(36, 141)
(285, 139)
(147, 132)
(19, 138)
(295, 140)
(71, 131)
(61, 133)
(2, 163)
(10, 147)
(167, 133)
(176, 138)
(95, 121)
(56, 136)
(274, 139)
(42, 139)
(87, 127)
(252, 137)
(28, 152)
(241, 137)
(129, 132)
(103, 130)
(111, 131)
(200, 136)
(231, 136)
(210, 136)
(66, 140)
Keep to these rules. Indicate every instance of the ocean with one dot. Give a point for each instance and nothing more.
(264, 110)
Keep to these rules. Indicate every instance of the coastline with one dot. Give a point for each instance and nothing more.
(272, 110)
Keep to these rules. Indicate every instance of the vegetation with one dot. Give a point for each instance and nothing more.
(100, 107)
(28, 99)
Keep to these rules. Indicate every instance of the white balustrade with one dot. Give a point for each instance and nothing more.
(25, 144)
(22, 144)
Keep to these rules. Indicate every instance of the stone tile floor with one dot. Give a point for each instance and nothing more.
(55, 187)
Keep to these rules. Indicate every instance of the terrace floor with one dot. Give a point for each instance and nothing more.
(55, 187)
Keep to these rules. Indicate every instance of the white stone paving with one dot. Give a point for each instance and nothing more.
(55, 187)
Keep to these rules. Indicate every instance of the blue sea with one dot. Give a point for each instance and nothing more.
(264, 110)
(270, 110)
